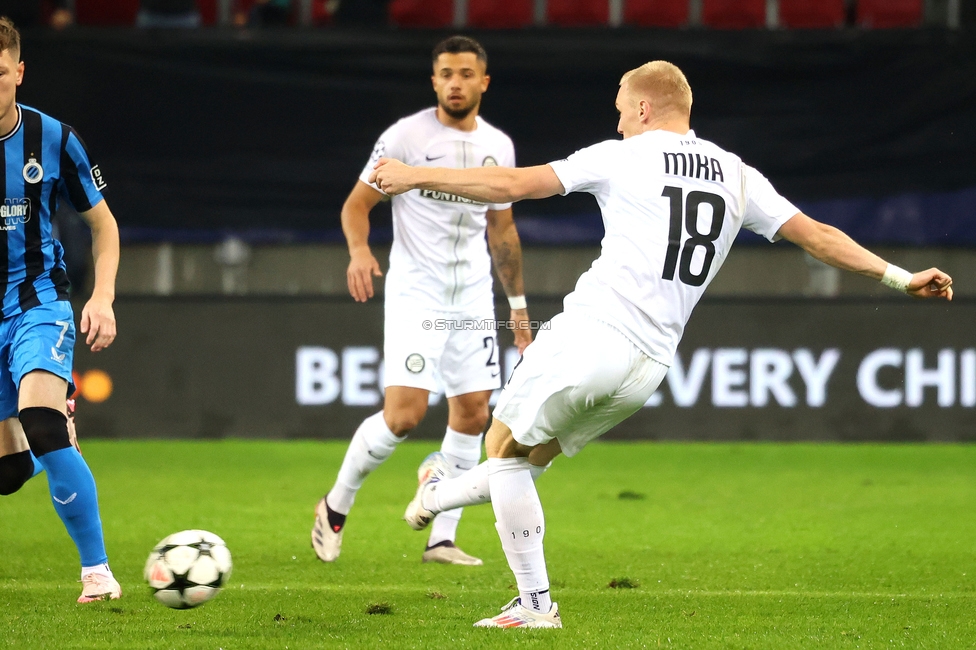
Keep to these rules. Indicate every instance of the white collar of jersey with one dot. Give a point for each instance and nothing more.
(20, 119)
(689, 134)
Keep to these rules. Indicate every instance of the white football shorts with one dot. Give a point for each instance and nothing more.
(579, 379)
(421, 345)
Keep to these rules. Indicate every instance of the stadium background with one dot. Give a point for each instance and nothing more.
(228, 153)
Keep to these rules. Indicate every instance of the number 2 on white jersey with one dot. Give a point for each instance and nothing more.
(695, 238)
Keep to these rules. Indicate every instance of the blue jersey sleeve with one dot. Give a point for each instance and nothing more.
(81, 182)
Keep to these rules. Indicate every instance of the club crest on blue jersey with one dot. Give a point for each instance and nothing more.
(15, 212)
(33, 172)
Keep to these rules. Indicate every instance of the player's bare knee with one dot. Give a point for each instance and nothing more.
(403, 419)
(471, 422)
(15, 470)
(46, 429)
(469, 413)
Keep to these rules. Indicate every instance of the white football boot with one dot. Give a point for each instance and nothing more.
(447, 552)
(432, 470)
(97, 586)
(326, 541)
(515, 615)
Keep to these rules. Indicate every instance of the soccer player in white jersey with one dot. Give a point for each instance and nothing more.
(440, 271)
(672, 204)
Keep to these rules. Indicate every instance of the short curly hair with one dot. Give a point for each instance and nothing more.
(459, 44)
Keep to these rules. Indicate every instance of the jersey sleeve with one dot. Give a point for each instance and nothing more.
(507, 159)
(587, 170)
(765, 210)
(81, 182)
(389, 145)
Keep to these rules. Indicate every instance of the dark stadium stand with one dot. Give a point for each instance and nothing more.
(106, 12)
(734, 14)
(500, 14)
(422, 13)
(812, 108)
(807, 14)
(826, 69)
(889, 13)
(515, 14)
(575, 13)
(209, 11)
(656, 13)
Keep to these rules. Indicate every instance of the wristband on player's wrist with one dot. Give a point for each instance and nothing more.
(897, 278)
(517, 302)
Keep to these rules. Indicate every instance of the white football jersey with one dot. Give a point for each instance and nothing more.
(440, 254)
(672, 205)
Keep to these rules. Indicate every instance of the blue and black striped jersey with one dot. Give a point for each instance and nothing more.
(44, 161)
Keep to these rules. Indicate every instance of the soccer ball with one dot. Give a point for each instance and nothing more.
(188, 568)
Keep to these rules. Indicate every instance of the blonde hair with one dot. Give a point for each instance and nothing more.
(661, 83)
(9, 38)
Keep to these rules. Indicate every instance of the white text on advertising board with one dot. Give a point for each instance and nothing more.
(717, 377)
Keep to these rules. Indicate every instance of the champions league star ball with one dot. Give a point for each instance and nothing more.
(188, 568)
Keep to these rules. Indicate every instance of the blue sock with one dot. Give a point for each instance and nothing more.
(76, 502)
(38, 468)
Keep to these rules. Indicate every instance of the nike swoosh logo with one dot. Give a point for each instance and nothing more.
(496, 374)
(69, 500)
(435, 157)
(370, 452)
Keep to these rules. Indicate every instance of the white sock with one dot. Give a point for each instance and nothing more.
(468, 489)
(462, 452)
(101, 569)
(521, 527)
(372, 443)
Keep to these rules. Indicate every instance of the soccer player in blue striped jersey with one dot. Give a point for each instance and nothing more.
(44, 161)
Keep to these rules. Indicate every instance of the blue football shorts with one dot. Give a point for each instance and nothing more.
(42, 338)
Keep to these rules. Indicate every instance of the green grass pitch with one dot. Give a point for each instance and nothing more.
(723, 546)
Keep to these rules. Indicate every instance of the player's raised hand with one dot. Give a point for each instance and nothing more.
(391, 176)
(362, 267)
(98, 322)
(931, 284)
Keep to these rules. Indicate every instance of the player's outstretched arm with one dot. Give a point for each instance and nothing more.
(98, 317)
(506, 253)
(832, 246)
(355, 225)
(485, 184)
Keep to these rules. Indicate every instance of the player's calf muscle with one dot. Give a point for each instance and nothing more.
(12, 438)
(16, 466)
(15, 470)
